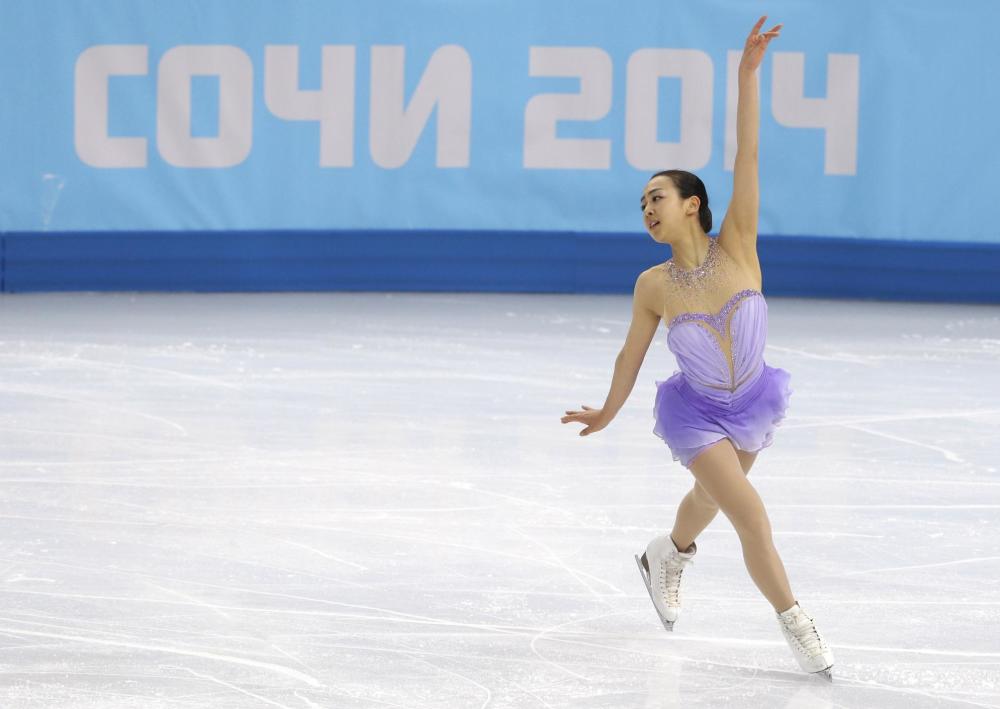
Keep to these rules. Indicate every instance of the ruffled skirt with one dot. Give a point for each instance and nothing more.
(689, 422)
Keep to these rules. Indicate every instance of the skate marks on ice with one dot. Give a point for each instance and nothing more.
(664, 674)
(685, 677)
(220, 500)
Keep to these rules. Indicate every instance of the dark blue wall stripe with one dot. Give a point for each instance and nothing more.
(544, 262)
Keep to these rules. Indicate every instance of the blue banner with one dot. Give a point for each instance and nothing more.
(877, 119)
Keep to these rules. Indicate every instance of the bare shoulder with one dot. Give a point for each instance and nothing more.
(650, 289)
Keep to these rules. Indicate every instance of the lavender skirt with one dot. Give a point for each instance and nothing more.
(689, 421)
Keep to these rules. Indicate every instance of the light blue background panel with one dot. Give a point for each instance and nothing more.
(924, 161)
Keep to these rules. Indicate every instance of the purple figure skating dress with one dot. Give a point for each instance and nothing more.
(724, 389)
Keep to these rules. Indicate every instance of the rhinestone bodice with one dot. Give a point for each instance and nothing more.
(720, 352)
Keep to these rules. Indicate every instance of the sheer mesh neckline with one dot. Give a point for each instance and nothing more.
(717, 319)
(691, 276)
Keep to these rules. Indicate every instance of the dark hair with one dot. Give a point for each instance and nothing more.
(690, 185)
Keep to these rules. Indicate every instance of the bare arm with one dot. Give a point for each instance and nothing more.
(645, 320)
(738, 235)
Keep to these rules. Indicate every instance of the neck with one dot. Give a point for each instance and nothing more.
(690, 250)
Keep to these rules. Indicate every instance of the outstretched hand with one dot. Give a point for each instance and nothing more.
(753, 51)
(593, 418)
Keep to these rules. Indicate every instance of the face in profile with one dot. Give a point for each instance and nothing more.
(664, 211)
(661, 207)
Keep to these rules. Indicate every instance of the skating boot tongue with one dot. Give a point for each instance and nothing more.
(800, 631)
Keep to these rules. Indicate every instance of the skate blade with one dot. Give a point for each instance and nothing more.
(827, 673)
(668, 624)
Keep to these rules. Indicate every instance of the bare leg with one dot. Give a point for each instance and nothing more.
(695, 512)
(698, 509)
(719, 473)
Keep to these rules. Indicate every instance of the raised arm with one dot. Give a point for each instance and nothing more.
(738, 235)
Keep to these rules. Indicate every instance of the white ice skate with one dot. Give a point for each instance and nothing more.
(661, 567)
(807, 644)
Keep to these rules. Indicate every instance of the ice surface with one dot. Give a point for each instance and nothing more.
(368, 500)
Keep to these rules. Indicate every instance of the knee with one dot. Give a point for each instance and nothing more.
(754, 528)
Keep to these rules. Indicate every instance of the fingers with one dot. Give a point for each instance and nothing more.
(756, 35)
(579, 417)
(588, 418)
(588, 427)
(760, 41)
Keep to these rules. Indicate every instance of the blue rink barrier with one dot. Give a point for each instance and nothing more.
(476, 261)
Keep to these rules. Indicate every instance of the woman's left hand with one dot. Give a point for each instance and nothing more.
(753, 51)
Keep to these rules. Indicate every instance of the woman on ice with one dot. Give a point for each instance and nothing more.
(721, 408)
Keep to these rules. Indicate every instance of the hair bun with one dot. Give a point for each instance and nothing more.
(705, 218)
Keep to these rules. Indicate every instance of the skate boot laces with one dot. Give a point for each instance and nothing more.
(671, 568)
(802, 629)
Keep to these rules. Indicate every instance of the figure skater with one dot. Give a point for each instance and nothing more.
(721, 408)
